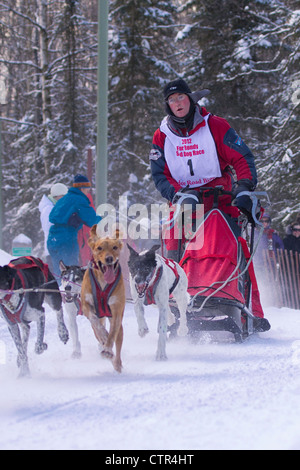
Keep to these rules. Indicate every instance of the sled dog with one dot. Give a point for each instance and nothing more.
(153, 279)
(19, 308)
(103, 294)
(71, 281)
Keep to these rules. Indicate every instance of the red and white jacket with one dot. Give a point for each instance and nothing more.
(176, 154)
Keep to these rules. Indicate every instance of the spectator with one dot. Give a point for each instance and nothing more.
(57, 191)
(266, 259)
(270, 240)
(292, 242)
(289, 229)
(67, 217)
(82, 238)
(292, 245)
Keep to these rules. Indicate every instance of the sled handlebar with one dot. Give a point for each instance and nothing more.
(253, 195)
(216, 192)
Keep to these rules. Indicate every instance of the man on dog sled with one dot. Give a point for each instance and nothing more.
(195, 149)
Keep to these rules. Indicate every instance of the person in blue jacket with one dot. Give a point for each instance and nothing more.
(67, 216)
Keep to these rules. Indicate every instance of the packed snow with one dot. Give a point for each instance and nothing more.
(213, 395)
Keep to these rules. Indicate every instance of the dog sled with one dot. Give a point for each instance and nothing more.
(221, 279)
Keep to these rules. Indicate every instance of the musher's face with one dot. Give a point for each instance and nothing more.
(179, 104)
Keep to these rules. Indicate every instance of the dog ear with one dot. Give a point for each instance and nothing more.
(62, 266)
(151, 253)
(118, 234)
(93, 237)
(154, 248)
(117, 231)
(132, 251)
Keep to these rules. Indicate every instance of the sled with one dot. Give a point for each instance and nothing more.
(219, 282)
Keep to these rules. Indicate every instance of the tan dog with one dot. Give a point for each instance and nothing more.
(103, 294)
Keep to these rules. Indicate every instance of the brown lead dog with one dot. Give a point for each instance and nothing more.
(103, 294)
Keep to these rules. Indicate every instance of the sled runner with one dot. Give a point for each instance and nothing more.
(220, 273)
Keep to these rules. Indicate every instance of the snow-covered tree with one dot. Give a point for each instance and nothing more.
(48, 69)
(247, 52)
(141, 62)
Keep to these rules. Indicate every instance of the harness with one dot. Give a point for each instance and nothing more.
(75, 299)
(14, 314)
(102, 296)
(156, 276)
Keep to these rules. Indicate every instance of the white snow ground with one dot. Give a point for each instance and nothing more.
(213, 395)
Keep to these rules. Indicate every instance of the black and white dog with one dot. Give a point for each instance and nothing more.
(71, 280)
(20, 308)
(153, 279)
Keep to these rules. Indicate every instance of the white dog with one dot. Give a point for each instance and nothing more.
(71, 280)
(152, 280)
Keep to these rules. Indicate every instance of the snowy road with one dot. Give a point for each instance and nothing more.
(207, 396)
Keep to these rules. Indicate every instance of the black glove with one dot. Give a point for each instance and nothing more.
(74, 220)
(243, 203)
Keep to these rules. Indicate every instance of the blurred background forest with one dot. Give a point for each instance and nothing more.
(245, 51)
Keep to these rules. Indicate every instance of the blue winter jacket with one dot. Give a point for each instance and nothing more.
(68, 215)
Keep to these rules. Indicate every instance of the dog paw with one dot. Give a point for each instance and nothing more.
(63, 334)
(161, 356)
(117, 366)
(143, 331)
(76, 355)
(107, 354)
(24, 372)
(40, 348)
(182, 330)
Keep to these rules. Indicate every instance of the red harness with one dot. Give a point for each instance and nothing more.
(101, 296)
(15, 314)
(151, 289)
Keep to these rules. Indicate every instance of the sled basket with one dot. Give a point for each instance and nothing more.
(217, 281)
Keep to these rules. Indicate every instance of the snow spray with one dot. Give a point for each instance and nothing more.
(2, 353)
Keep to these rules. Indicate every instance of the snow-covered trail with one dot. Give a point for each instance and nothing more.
(213, 395)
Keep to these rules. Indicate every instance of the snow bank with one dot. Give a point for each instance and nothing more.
(213, 395)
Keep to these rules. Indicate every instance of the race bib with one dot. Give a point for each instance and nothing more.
(193, 161)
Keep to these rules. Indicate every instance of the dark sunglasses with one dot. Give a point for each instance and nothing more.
(295, 229)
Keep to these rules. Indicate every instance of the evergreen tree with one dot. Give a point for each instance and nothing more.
(49, 69)
(141, 50)
(245, 52)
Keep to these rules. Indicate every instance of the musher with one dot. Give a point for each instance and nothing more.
(193, 148)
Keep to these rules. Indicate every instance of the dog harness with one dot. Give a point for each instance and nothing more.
(101, 296)
(14, 314)
(152, 286)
